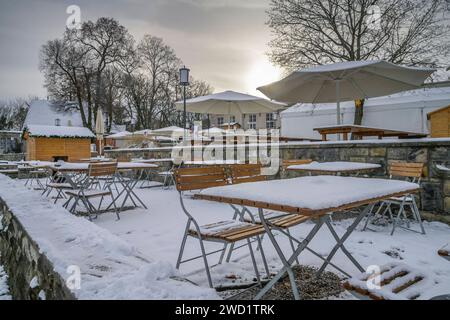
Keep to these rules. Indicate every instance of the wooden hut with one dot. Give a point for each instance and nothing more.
(440, 123)
(52, 143)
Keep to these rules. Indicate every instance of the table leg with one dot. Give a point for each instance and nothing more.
(340, 241)
(287, 263)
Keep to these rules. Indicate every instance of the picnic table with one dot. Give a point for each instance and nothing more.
(316, 197)
(361, 131)
(335, 168)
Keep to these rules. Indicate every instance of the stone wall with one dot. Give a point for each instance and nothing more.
(31, 275)
(435, 196)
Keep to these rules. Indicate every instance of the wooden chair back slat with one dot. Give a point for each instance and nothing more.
(102, 169)
(246, 173)
(406, 170)
(288, 163)
(188, 179)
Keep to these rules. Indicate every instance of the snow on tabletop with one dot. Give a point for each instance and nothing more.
(315, 193)
(59, 131)
(110, 267)
(334, 166)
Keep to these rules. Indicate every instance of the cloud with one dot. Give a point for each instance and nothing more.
(218, 39)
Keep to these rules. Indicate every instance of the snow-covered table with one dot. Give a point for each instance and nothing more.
(310, 196)
(67, 168)
(334, 167)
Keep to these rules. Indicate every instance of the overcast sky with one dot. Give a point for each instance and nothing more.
(223, 42)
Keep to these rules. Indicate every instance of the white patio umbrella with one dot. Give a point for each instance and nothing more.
(100, 129)
(230, 102)
(346, 81)
(168, 131)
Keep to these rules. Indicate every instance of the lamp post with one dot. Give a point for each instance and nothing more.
(184, 81)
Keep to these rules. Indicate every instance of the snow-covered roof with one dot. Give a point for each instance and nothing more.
(45, 113)
(406, 97)
(58, 132)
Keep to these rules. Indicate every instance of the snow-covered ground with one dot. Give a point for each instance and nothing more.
(4, 289)
(157, 233)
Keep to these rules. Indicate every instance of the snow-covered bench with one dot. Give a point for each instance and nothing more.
(395, 282)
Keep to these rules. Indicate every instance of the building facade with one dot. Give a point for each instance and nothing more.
(247, 121)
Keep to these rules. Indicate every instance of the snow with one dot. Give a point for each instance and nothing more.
(110, 267)
(158, 231)
(43, 112)
(337, 166)
(228, 96)
(344, 66)
(315, 193)
(67, 166)
(59, 131)
(119, 135)
(4, 289)
(389, 271)
(442, 168)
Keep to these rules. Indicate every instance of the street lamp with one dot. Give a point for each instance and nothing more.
(184, 81)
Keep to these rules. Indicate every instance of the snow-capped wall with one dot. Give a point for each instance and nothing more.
(45, 248)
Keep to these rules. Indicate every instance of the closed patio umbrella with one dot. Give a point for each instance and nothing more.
(346, 81)
(230, 102)
(100, 129)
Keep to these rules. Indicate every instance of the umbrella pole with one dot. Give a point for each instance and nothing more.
(338, 100)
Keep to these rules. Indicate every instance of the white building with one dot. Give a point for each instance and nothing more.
(406, 111)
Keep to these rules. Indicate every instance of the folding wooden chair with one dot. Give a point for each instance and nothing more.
(408, 171)
(280, 221)
(226, 232)
(85, 192)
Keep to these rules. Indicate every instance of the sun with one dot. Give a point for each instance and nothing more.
(262, 72)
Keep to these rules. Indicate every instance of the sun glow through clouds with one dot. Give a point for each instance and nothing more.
(262, 72)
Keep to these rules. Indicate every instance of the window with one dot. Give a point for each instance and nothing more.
(220, 121)
(252, 121)
(57, 122)
(232, 119)
(270, 121)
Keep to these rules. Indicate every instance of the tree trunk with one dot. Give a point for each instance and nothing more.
(359, 112)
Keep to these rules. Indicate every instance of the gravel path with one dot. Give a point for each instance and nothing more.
(328, 286)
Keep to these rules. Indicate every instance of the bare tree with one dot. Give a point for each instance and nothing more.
(13, 113)
(316, 32)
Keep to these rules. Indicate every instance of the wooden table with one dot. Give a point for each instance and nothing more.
(316, 197)
(361, 131)
(334, 168)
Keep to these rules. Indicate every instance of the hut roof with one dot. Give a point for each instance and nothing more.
(58, 132)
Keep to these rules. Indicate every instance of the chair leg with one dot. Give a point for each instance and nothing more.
(372, 215)
(397, 219)
(255, 267)
(230, 252)
(263, 255)
(417, 214)
(292, 245)
(205, 261)
(222, 255)
(183, 244)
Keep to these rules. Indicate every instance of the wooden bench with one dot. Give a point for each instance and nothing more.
(397, 282)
